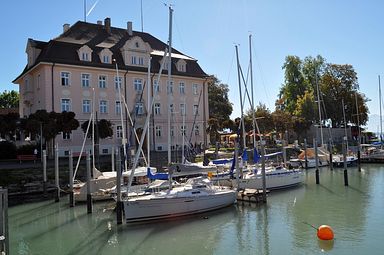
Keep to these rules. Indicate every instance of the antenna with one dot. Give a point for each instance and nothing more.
(142, 26)
(85, 10)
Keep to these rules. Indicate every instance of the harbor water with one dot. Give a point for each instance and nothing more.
(282, 226)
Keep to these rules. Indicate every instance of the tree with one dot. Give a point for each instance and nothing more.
(213, 130)
(219, 106)
(8, 124)
(104, 128)
(263, 118)
(294, 83)
(338, 83)
(51, 123)
(9, 99)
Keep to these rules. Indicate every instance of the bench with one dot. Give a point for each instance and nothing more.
(27, 157)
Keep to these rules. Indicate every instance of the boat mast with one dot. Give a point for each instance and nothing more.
(169, 83)
(252, 102)
(381, 120)
(183, 135)
(93, 131)
(149, 86)
(241, 99)
(319, 105)
(345, 122)
(123, 140)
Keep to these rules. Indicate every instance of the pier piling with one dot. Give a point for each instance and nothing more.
(345, 161)
(330, 148)
(113, 159)
(44, 173)
(317, 161)
(305, 154)
(359, 159)
(4, 233)
(57, 196)
(119, 207)
(71, 200)
(89, 195)
(263, 170)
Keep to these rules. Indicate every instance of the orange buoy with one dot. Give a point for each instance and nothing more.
(325, 232)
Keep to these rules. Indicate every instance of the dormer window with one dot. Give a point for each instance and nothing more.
(105, 56)
(181, 66)
(84, 56)
(85, 53)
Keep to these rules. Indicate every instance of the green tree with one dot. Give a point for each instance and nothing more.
(220, 108)
(294, 83)
(8, 124)
(9, 99)
(338, 83)
(104, 129)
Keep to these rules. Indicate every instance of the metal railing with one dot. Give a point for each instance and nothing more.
(4, 237)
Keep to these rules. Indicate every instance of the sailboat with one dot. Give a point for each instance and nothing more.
(375, 152)
(338, 159)
(196, 196)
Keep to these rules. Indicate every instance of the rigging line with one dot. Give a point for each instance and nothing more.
(178, 33)
(93, 6)
(231, 66)
(133, 127)
(261, 73)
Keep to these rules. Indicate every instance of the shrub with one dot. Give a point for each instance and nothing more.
(7, 150)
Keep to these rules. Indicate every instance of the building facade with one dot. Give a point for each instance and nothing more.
(83, 69)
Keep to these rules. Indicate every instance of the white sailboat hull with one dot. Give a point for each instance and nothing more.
(153, 208)
(273, 181)
(311, 163)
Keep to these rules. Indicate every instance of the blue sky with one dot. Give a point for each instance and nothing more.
(343, 32)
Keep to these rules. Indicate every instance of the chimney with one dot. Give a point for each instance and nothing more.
(65, 27)
(129, 28)
(107, 25)
(99, 22)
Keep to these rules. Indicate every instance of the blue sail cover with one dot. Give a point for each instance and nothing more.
(157, 176)
(244, 156)
(256, 156)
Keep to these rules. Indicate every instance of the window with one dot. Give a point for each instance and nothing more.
(103, 106)
(138, 85)
(195, 89)
(171, 108)
(133, 60)
(183, 130)
(65, 105)
(118, 81)
(106, 59)
(158, 131)
(85, 56)
(157, 109)
(172, 131)
(156, 86)
(85, 80)
(182, 109)
(119, 131)
(66, 135)
(141, 61)
(86, 106)
(65, 79)
(197, 130)
(182, 87)
(117, 107)
(139, 108)
(170, 87)
(195, 109)
(105, 151)
(102, 81)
